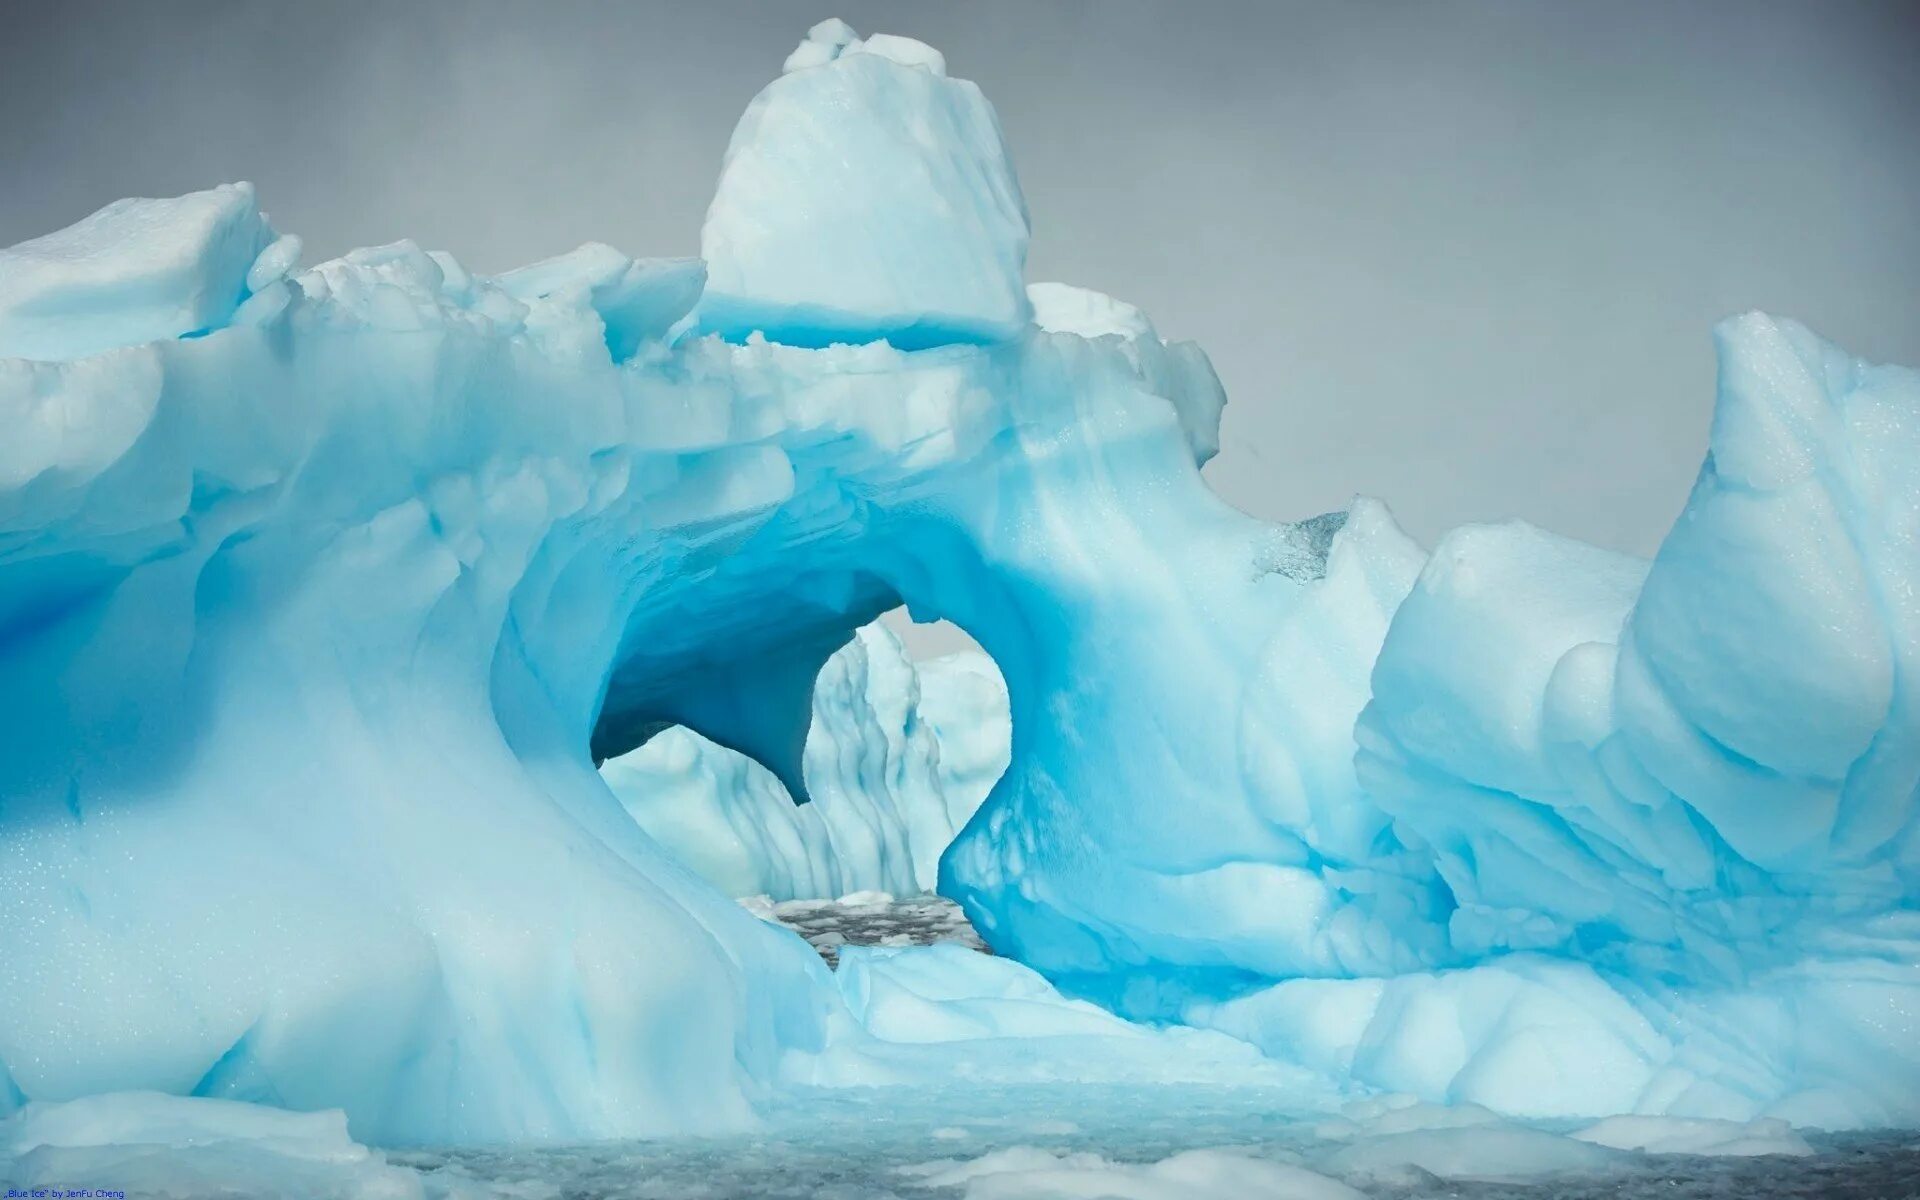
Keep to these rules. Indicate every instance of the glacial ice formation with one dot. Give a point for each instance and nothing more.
(898, 756)
(935, 251)
(323, 590)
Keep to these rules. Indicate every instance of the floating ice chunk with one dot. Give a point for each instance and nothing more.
(136, 271)
(865, 195)
(1033, 1173)
(1399, 1139)
(1471, 1152)
(1696, 1135)
(147, 1144)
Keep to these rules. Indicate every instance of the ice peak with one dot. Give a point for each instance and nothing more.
(866, 196)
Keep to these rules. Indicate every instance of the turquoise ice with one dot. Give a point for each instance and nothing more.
(324, 590)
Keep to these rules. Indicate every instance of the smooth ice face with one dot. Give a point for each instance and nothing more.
(323, 591)
(898, 756)
(866, 195)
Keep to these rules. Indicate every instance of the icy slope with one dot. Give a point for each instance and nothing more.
(322, 591)
(899, 755)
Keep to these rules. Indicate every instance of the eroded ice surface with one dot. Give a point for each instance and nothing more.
(323, 590)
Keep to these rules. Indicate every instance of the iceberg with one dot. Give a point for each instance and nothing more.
(326, 591)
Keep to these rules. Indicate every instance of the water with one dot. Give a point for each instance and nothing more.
(870, 919)
(854, 1148)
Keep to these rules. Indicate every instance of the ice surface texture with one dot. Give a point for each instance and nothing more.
(322, 592)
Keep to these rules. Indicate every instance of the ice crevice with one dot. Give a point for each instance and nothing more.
(336, 597)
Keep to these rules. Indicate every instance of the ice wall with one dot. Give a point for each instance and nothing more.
(322, 591)
(898, 756)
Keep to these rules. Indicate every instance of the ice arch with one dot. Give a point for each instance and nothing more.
(314, 618)
(321, 591)
(320, 588)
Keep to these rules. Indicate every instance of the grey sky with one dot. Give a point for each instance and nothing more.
(1464, 257)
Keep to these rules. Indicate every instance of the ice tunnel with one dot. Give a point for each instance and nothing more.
(901, 752)
(323, 591)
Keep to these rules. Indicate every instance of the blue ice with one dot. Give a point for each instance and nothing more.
(324, 589)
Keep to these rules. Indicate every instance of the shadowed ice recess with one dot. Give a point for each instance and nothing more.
(336, 601)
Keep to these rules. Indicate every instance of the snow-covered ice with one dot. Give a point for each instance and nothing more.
(323, 591)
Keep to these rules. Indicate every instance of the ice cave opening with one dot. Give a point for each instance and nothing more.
(900, 751)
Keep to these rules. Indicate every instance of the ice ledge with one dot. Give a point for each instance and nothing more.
(138, 271)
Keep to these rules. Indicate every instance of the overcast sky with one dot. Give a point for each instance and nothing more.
(1464, 257)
